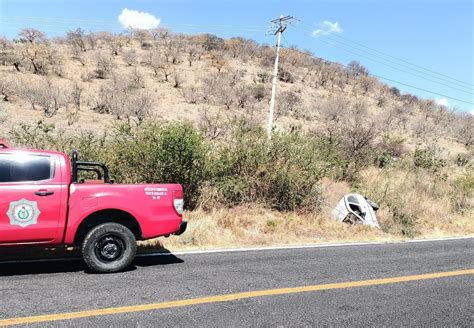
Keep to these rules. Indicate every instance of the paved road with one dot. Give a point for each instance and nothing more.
(38, 288)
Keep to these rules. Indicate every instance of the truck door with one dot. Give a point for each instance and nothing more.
(30, 198)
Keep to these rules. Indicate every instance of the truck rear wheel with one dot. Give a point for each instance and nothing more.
(109, 247)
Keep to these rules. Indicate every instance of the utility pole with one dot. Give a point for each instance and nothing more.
(279, 25)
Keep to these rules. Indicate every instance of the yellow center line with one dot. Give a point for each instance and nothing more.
(228, 298)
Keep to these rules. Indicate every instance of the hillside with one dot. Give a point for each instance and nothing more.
(409, 154)
(178, 77)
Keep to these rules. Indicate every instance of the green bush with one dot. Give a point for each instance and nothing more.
(159, 153)
(41, 136)
(284, 173)
(427, 158)
(389, 150)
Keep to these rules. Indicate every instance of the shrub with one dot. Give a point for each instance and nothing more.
(154, 153)
(42, 135)
(263, 77)
(283, 174)
(47, 94)
(284, 75)
(427, 158)
(288, 102)
(389, 150)
(191, 94)
(463, 191)
(259, 92)
(407, 222)
(105, 65)
(462, 159)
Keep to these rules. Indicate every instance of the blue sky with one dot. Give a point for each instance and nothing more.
(436, 35)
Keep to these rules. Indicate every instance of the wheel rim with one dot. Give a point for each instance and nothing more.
(109, 248)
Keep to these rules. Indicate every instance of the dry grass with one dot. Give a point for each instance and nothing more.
(421, 199)
(257, 226)
(425, 199)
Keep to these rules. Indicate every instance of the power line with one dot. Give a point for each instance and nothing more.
(383, 62)
(391, 56)
(248, 28)
(117, 29)
(422, 89)
(395, 81)
(115, 23)
(407, 62)
(406, 66)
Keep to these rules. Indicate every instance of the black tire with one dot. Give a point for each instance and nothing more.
(109, 247)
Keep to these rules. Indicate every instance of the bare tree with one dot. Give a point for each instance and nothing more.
(234, 46)
(8, 87)
(141, 106)
(191, 94)
(31, 35)
(6, 50)
(356, 69)
(48, 95)
(77, 39)
(219, 88)
(137, 78)
(177, 80)
(210, 42)
(140, 35)
(192, 54)
(226, 95)
(160, 65)
(76, 95)
(91, 39)
(243, 95)
(288, 102)
(218, 61)
(36, 57)
(130, 57)
(211, 125)
(365, 84)
(78, 55)
(104, 65)
(56, 61)
(465, 129)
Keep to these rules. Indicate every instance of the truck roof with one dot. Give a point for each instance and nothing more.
(4, 144)
(5, 147)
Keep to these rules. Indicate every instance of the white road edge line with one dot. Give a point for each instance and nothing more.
(300, 246)
(253, 249)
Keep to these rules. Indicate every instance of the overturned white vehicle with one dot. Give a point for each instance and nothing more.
(356, 209)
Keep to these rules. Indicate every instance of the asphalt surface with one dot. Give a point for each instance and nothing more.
(38, 288)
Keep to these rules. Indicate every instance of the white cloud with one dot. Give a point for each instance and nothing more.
(442, 102)
(471, 112)
(137, 19)
(326, 28)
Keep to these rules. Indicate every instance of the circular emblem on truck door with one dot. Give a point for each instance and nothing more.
(23, 213)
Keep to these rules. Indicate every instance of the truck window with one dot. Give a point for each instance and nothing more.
(25, 167)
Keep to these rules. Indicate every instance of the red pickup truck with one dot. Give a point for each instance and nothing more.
(45, 202)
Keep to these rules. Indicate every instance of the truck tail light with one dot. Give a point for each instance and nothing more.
(178, 202)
